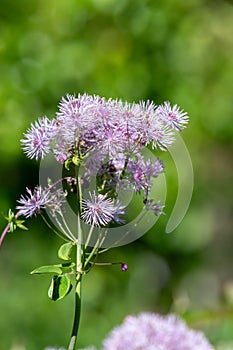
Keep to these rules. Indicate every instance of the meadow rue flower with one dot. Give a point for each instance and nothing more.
(150, 331)
(105, 137)
(108, 126)
(38, 199)
(172, 116)
(99, 210)
(55, 202)
(157, 208)
(141, 171)
(33, 202)
(37, 139)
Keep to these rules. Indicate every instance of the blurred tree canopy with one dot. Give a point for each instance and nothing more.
(173, 50)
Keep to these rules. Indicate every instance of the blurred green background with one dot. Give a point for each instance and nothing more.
(173, 50)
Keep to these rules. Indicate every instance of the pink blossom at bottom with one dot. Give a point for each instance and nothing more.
(149, 331)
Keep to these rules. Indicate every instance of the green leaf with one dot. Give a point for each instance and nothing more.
(60, 286)
(19, 224)
(14, 223)
(47, 269)
(65, 251)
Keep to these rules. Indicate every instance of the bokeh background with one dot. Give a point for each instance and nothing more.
(173, 50)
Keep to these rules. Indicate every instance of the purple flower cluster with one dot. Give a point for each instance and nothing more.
(109, 127)
(106, 137)
(141, 171)
(150, 331)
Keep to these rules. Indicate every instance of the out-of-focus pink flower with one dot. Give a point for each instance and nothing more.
(149, 331)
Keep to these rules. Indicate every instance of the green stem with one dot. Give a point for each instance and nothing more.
(77, 313)
(77, 310)
(94, 250)
(80, 252)
(89, 237)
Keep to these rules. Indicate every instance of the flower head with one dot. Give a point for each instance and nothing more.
(141, 172)
(56, 198)
(149, 331)
(157, 208)
(99, 210)
(33, 202)
(37, 139)
(172, 116)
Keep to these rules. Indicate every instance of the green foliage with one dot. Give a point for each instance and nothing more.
(13, 222)
(65, 251)
(47, 269)
(60, 286)
(61, 283)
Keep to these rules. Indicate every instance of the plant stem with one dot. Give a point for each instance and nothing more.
(7, 229)
(77, 312)
(80, 256)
